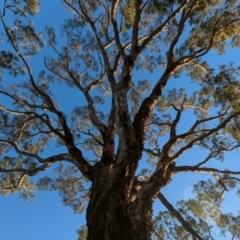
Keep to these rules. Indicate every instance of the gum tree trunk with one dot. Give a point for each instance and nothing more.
(109, 217)
(119, 208)
(111, 210)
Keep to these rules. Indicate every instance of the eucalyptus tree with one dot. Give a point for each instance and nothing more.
(118, 145)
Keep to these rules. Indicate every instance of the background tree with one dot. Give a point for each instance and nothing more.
(120, 57)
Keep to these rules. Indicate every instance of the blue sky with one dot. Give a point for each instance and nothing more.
(46, 218)
(42, 219)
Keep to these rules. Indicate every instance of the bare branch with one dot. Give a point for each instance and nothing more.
(115, 27)
(135, 29)
(204, 170)
(206, 135)
(28, 172)
(180, 218)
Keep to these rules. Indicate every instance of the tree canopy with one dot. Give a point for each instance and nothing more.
(143, 94)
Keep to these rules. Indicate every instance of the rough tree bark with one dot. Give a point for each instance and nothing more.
(119, 209)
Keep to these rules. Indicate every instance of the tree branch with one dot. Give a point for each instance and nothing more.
(15, 186)
(31, 78)
(204, 170)
(28, 172)
(115, 27)
(180, 218)
(161, 27)
(92, 113)
(204, 136)
(78, 158)
(135, 29)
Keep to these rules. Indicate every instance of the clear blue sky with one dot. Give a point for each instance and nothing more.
(46, 218)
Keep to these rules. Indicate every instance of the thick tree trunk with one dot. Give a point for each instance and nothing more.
(120, 208)
(109, 214)
(111, 219)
